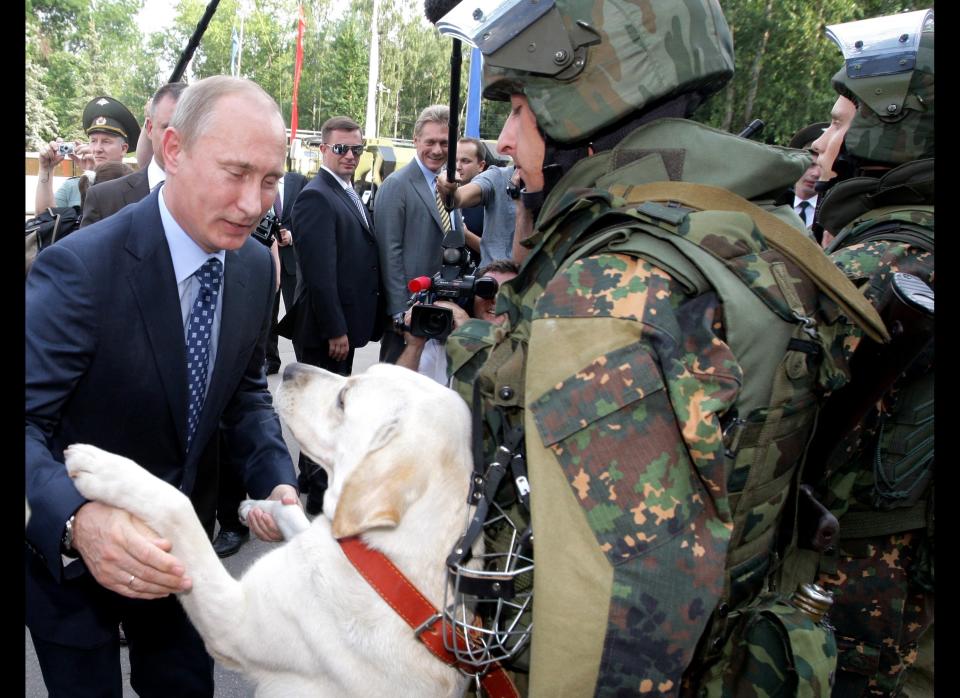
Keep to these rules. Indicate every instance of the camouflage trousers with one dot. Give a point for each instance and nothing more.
(879, 613)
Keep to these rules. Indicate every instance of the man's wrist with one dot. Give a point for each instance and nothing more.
(66, 541)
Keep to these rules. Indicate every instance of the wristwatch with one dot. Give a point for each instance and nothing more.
(66, 543)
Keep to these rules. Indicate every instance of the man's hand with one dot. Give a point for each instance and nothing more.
(262, 524)
(50, 156)
(459, 314)
(83, 154)
(125, 555)
(409, 339)
(447, 189)
(286, 238)
(339, 347)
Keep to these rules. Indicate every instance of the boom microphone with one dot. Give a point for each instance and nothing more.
(436, 9)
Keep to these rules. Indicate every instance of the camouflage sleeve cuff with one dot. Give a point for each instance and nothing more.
(467, 350)
(471, 337)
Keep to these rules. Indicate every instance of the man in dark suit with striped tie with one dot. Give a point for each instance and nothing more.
(338, 305)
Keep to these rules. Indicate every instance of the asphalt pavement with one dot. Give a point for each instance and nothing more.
(229, 684)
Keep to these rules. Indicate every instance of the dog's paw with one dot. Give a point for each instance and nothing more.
(290, 518)
(109, 478)
(97, 474)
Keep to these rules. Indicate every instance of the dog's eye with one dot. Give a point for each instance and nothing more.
(343, 391)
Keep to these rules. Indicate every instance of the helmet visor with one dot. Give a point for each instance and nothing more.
(882, 45)
(489, 24)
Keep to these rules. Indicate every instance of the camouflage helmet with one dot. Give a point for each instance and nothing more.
(888, 72)
(585, 65)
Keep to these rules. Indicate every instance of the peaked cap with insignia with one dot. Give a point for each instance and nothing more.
(110, 116)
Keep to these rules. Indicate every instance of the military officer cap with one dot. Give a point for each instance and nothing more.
(805, 137)
(110, 116)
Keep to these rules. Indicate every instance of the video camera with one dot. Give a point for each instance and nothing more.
(454, 282)
(268, 229)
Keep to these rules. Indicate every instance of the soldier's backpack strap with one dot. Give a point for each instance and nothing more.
(779, 235)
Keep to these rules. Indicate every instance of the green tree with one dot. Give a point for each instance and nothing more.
(41, 122)
(78, 49)
(784, 62)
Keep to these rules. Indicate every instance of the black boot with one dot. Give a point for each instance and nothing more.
(228, 542)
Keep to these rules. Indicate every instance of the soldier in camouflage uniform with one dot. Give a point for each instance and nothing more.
(669, 337)
(878, 480)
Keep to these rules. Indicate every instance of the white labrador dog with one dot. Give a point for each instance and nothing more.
(302, 621)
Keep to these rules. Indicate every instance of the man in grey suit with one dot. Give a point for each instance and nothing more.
(109, 197)
(411, 230)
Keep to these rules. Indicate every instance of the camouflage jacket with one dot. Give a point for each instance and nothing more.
(852, 480)
(855, 479)
(879, 479)
(620, 375)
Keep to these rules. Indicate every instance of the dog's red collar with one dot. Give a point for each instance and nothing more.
(407, 601)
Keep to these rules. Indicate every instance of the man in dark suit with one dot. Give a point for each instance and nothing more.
(290, 187)
(338, 305)
(143, 335)
(411, 230)
(802, 196)
(107, 198)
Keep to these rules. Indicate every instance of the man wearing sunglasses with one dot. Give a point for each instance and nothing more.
(337, 306)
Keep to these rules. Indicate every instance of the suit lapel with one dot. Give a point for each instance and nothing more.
(426, 193)
(154, 286)
(430, 200)
(345, 198)
(139, 187)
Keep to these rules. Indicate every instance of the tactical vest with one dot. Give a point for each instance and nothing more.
(900, 459)
(780, 327)
(780, 317)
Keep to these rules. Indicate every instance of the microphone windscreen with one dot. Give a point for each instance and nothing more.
(435, 9)
(421, 283)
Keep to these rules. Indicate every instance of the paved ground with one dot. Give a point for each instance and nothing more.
(228, 684)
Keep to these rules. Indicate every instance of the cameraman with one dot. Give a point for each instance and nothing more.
(427, 356)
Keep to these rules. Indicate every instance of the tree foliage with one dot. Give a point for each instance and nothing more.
(784, 62)
(77, 49)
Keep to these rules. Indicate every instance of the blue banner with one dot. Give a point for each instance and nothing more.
(472, 128)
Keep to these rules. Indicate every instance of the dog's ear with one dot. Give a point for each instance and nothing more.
(372, 498)
(374, 495)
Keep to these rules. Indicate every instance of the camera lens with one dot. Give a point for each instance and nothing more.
(431, 321)
(435, 324)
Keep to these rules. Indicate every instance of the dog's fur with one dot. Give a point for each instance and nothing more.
(302, 621)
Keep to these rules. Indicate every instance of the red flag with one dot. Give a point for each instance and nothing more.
(296, 73)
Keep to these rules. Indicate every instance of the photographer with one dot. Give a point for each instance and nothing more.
(110, 127)
(427, 356)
